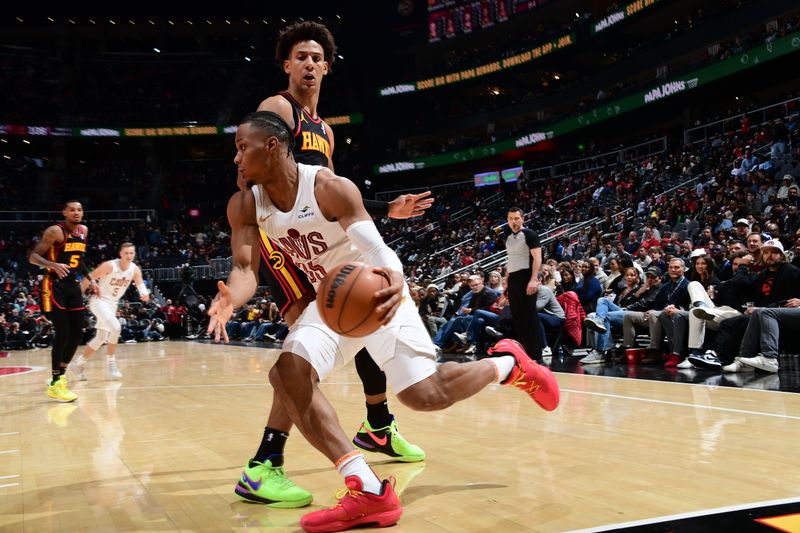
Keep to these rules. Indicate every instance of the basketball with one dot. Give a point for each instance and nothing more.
(346, 299)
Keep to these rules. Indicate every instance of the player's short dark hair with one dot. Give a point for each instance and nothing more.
(515, 209)
(126, 245)
(305, 31)
(70, 201)
(272, 124)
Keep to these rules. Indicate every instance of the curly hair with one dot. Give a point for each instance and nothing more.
(305, 31)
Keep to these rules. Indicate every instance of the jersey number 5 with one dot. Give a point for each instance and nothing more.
(74, 261)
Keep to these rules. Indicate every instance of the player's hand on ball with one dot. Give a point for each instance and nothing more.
(220, 312)
(391, 296)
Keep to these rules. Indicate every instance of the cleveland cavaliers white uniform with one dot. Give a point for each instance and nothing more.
(402, 348)
(104, 307)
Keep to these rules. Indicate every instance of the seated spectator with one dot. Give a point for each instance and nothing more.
(714, 304)
(15, 339)
(614, 275)
(672, 296)
(432, 309)
(611, 311)
(760, 345)
(551, 318)
(773, 287)
(567, 278)
(588, 289)
(478, 298)
(478, 314)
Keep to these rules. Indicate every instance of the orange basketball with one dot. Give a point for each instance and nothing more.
(346, 299)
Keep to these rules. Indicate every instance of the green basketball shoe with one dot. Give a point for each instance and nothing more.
(264, 483)
(389, 441)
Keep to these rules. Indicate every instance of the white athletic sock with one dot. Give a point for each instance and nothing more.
(111, 358)
(356, 465)
(504, 365)
(79, 361)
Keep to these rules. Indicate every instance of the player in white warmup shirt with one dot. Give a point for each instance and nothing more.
(113, 277)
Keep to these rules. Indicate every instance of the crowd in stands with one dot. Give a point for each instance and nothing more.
(457, 108)
(708, 273)
(680, 264)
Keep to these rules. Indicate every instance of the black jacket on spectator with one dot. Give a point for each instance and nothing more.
(645, 302)
(785, 285)
(482, 300)
(672, 293)
(630, 298)
(669, 293)
(735, 291)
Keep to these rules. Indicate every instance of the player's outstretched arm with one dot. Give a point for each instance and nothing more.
(339, 199)
(242, 281)
(410, 205)
(402, 207)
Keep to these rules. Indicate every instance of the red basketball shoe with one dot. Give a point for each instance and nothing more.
(528, 376)
(356, 508)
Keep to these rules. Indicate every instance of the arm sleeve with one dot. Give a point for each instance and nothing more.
(376, 207)
(532, 239)
(364, 235)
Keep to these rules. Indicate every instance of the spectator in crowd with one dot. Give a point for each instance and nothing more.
(777, 283)
(672, 296)
(432, 309)
(589, 289)
(611, 312)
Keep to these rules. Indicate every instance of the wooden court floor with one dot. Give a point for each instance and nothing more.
(161, 450)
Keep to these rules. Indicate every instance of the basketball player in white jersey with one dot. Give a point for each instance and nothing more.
(113, 277)
(320, 220)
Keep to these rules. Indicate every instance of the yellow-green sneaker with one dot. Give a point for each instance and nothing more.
(58, 391)
(389, 441)
(264, 483)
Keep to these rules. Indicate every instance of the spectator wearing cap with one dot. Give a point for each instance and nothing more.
(671, 297)
(760, 348)
(742, 229)
(794, 195)
(788, 181)
(777, 283)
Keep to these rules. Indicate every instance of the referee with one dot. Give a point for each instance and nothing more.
(522, 282)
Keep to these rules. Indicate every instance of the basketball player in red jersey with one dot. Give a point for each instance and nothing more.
(306, 51)
(64, 245)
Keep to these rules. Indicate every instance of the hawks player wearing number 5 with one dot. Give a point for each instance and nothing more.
(113, 277)
(64, 245)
